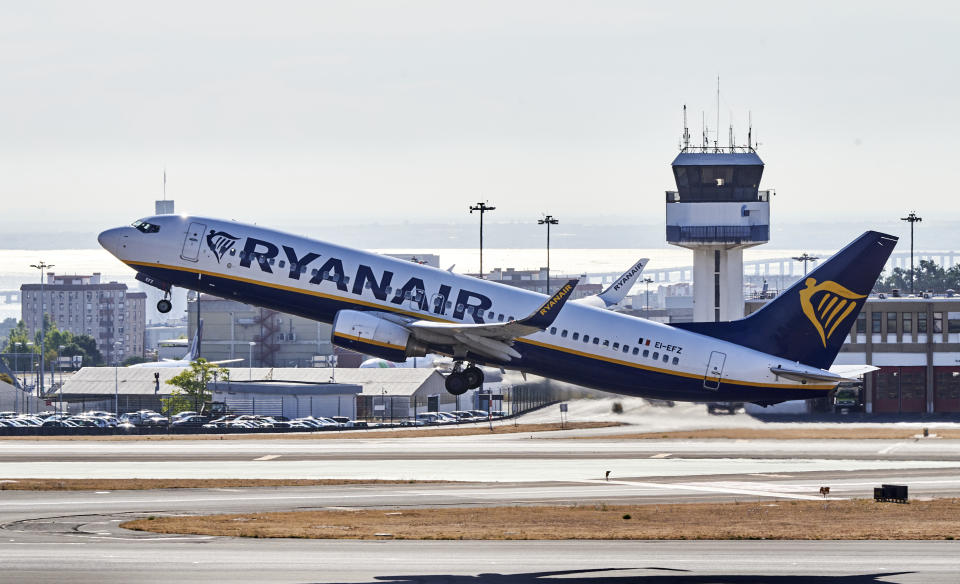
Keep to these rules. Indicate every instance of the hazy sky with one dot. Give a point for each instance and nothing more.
(319, 113)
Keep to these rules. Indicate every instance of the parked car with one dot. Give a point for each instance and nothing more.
(357, 424)
(194, 421)
(428, 418)
(446, 418)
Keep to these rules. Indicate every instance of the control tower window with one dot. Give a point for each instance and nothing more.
(145, 227)
(731, 183)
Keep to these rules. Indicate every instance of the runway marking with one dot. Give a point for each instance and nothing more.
(709, 489)
(890, 448)
(268, 457)
(661, 455)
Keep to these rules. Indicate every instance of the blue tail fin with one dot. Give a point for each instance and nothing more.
(194, 353)
(810, 321)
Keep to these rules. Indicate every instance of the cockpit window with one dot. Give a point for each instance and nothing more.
(146, 227)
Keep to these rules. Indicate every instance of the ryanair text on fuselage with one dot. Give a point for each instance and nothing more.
(332, 269)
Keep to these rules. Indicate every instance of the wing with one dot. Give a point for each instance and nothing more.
(492, 340)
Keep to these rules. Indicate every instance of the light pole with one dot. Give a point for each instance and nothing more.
(116, 378)
(43, 333)
(648, 281)
(804, 257)
(911, 218)
(250, 362)
(548, 221)
(60, 368)
(482, 207)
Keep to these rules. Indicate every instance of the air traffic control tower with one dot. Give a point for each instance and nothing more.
(717, 211)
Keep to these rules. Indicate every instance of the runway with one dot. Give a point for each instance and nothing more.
(517, 469)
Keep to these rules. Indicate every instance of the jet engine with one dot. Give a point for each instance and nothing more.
(367, 333)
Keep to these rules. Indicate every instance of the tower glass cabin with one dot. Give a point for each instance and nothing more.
(717, 211)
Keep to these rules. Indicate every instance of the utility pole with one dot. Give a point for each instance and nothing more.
(43, 313)
(548, 220)
(482, 207)
(911, 218)
(648, 281)
(803, 258)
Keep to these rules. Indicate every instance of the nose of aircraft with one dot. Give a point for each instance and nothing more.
(113, 240)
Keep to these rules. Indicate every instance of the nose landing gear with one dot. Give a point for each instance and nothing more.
(461, 380)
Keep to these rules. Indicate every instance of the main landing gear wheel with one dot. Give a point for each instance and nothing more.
(456, 383)
(164, 306)
(474, 376)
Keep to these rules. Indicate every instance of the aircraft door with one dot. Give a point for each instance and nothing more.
(714, 370)
(191, 243)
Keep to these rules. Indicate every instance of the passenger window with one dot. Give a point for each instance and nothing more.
(646, 352)
(500, 317)
(314, 272)
(511, 318)
(576, 336)
(616, 346)
(389, 288)
(640, 341)
(656, 355)
(553, 329)
(606, 342)
(490, 315)
(273, 261)
(596, 340)
(282, 263)
(636, 350)
(460, 308)
(586, 338)
(626, 349)
(666, 357)
(564, 333)
(233, 251)
(676, 360)
(449, 302)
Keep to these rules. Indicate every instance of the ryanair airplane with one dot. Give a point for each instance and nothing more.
(394, 309)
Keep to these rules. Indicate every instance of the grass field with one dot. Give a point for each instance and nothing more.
(804, 520)
(140, 484)
(809, 432)
(499, 427)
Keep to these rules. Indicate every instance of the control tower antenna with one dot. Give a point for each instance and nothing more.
(731, 136)
(164, 183)
(686, 131)
(750, 130)
(703, 128)
(716, 141)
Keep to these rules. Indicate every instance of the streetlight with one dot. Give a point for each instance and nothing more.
(548, 221)
(805, 257)
(43, 333)
(648, 281)
(483, 207)
(60, 368)
(116, 378)
(911, 218)
(250, 362)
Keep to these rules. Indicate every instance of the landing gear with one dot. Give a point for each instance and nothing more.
(459, 381)
(164, 306)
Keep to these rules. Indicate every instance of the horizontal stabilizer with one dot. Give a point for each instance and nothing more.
(807, 375)
(852, 372)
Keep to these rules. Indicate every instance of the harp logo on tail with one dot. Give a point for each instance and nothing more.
(827, 305)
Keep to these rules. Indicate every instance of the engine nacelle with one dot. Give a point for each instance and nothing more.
(369, 334)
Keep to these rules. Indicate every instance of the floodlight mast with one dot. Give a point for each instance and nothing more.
(548, 220)
(482, 207)
(43, 313)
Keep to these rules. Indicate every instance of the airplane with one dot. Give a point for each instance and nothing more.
(395, 309)
(193, 353)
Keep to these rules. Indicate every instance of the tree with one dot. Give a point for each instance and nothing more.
(193, 385)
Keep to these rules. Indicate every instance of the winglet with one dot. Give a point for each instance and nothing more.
(544, 316)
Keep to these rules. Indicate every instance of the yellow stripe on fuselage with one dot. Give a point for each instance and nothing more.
(438, 319)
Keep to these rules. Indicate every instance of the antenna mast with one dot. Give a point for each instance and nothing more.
(716, 140)
(164, 183)
(686, 131)
(750, 130)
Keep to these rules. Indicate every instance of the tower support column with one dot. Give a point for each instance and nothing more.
(718, 292)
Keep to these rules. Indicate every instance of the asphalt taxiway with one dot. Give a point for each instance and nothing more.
(61, 536)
